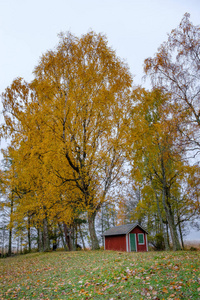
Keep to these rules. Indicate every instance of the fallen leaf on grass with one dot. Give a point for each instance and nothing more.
(165, 290)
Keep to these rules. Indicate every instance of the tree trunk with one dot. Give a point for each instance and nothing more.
(161, 220)
(62, 237)
(176, 244)
(167, 231)
(46, 241)
(82, 239)
(73, 238)
(18, 242)
(91, 222)
(102, 227)
(180, 232)
(21, 246)
(39, 240)
(3, 241)
(29, 235)
(76, 239)
(169, 214)
(10, 242)
(55, 238)
(67, 237)
(170, 218)
(10, 228)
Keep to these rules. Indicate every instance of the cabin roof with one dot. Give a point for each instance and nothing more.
(122, 229)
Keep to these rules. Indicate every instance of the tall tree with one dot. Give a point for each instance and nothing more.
(78, 102)
(176, 69)
(154, 157)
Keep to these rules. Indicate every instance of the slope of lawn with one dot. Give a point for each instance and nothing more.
(101, 275)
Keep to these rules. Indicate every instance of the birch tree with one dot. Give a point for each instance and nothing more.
(78, 102)
(155, 159)
(175, 68)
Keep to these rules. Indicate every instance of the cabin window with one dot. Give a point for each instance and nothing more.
(140, 239)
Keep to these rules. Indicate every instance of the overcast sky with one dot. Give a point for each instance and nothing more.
(134, 28)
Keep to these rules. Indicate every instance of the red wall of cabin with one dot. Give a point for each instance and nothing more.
(140, 248)
(115, 242)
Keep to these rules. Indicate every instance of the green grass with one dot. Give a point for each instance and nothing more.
(101, 275)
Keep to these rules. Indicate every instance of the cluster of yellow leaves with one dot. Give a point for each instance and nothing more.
(67, 127)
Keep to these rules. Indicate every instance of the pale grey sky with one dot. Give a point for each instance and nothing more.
(134, 28)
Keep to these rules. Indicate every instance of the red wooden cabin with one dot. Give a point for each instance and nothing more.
(130, 237)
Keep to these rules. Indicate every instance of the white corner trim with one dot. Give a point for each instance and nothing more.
(127, 248)
(147, 243)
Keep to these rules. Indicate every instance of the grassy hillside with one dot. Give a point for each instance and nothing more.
(101, 275)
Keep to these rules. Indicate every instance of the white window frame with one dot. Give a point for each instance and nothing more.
(143, 239)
